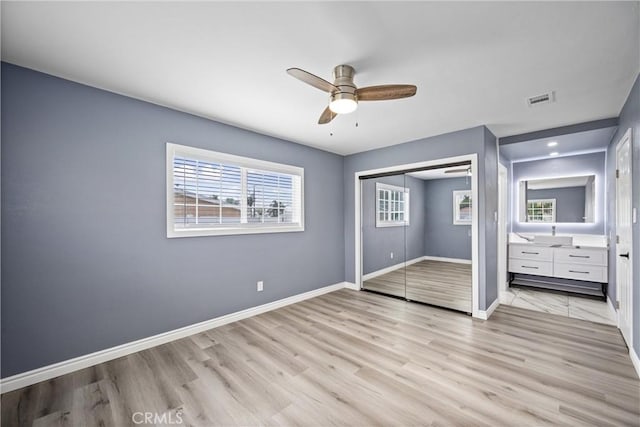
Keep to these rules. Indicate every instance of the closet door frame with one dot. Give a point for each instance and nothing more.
(475, 248)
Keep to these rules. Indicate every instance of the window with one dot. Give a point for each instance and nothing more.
(211, 193)
(541, 210)
(392, 205)
(462, 213)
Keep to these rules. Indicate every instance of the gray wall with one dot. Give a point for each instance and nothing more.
(569, 202)
(442, 237)
(629, 118)
(406, 243)
(86, 262)
(475, 140)
(584, 164)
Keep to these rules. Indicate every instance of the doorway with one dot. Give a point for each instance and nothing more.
(624, 240)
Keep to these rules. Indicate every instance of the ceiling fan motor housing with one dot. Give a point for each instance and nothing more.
(343, 80)
(344, 100)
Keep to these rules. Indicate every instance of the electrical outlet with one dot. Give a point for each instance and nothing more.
(391, 255)
(260, 286)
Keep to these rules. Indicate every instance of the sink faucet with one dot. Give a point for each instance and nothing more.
(553, 230)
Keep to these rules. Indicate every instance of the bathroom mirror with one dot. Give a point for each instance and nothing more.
(557, 200)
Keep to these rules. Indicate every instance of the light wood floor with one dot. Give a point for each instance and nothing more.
(359, 359)
(445, 284)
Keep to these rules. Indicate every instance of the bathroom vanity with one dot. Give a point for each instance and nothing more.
(561, 263)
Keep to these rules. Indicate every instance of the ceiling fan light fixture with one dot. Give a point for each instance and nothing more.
(343, 103)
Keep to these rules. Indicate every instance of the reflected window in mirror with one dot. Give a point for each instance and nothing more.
(462, 207)
(541, 210)
(392, 205)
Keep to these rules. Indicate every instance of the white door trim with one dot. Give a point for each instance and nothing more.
(475, 241)
(503, 213)
(627, 136)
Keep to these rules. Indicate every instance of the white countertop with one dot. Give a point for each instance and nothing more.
(581, 240)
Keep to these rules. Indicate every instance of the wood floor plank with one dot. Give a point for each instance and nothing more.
(357, 358)
(445, 284)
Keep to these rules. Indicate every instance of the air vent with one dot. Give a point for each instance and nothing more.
(545, 98)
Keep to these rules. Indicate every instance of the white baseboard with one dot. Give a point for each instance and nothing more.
(437, 258)
(391, 268)
(612, 310)
(352, 286)
(635, 360)
(485, 314)
(61, 368)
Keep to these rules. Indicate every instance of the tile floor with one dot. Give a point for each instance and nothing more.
(560, 303)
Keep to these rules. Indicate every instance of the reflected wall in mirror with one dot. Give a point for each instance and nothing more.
(557, 200)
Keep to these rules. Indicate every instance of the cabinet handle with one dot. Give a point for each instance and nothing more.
(576, 271)
(579, 256)
(526, 266)
(531, 253)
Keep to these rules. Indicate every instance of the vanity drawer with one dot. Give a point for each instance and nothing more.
(581, 256)
(539, 268)
(590, 273)
(539, 253)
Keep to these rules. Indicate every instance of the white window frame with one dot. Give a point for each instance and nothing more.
(246, 164)
(458, 195)
(405, 212)
(553, 212)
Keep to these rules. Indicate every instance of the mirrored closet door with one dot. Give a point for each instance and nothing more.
(385, 214)
(441, 233)
(416, 236)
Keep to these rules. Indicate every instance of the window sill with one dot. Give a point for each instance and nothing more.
(229, 231)
(391, 224)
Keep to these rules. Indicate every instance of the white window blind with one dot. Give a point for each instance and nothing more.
(211, 193)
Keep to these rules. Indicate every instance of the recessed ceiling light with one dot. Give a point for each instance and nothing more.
(555, 153)
(552, 143)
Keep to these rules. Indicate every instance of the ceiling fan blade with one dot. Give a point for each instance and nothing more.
(312, 80)
(384, 92)
(456, 170)
(326, 116)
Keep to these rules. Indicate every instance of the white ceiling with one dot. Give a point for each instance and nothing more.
(566, 182)
(474, 63)
(569, 144)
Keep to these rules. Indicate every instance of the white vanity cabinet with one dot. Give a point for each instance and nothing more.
(574, 263)
(588, 264)
(531, 259)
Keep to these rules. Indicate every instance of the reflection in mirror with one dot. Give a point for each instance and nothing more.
(557, 200)
(385, 205)
(411, 247)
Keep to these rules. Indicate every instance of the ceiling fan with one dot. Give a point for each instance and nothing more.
(466, 170)
(345, 95)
